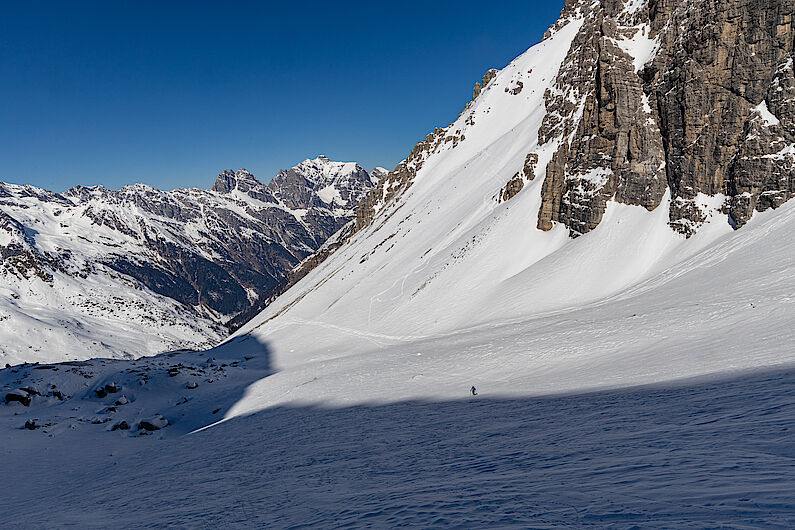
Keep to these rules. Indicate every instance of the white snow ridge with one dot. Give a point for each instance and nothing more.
(627, 378)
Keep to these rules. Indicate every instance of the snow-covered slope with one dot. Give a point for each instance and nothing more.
(96, 272)
(447, 284)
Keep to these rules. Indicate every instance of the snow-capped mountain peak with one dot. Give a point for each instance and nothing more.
(321, 182)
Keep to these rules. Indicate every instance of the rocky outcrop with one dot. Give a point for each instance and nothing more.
(513, 187)
(479, 86)
(610, 145)
(695, 96)
(516, 184)
(18, 396)
(154, 423)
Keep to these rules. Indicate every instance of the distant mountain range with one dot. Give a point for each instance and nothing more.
(94, 271)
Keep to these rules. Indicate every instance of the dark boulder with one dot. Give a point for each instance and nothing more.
(18, 395)
(153, 424)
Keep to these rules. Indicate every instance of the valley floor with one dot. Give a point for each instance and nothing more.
(693, 453)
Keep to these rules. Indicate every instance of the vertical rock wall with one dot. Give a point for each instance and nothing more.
(692, 95)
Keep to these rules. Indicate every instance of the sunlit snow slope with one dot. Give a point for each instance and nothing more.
(448, 287)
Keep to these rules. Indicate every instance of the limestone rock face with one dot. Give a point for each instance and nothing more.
(695, 96)
(513, 187)
(516, 184)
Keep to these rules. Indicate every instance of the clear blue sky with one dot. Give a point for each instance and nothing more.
(170, 93)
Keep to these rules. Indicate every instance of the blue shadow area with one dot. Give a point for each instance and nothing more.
(701, 454)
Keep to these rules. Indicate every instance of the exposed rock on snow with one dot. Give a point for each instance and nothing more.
(19, 396)
(121, 426)
(483, 83)
(153, 424)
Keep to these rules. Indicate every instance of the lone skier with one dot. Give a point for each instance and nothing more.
(474, 391)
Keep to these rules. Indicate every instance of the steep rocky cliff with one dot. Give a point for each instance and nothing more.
(691, 96)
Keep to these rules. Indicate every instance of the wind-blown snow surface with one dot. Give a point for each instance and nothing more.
(698, 454)
(728, 306)
(408, 446)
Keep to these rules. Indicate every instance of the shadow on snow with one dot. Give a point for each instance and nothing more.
(700, 454)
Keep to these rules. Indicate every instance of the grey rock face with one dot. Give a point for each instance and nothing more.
(710, 112)
(487, 77)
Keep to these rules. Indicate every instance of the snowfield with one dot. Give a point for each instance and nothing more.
(626, 378)
(449, 287)
(695, 454)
